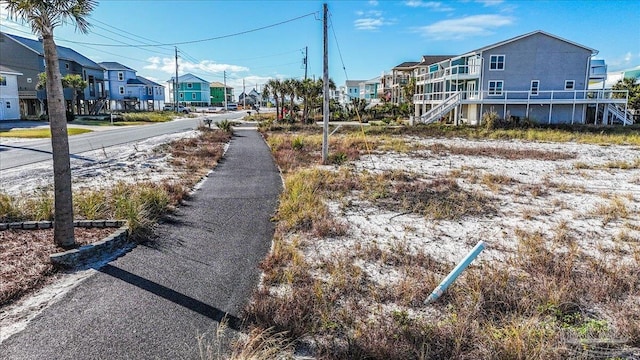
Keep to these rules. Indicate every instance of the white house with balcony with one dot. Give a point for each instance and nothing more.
(9, 102)
(538, 76)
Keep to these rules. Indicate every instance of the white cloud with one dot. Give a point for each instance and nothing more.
(168, 65)
(371, 20)
(433, 5)
(457, 29)
(373, 2)
(490, 2)
(622, 62)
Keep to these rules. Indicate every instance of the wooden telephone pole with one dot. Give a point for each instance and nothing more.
(325, 89)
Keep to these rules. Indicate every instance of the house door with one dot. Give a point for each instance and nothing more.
(471, 90)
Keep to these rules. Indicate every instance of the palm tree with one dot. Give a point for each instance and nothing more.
(283, 94)
(44, 16)
(273, 87)
(291, 87)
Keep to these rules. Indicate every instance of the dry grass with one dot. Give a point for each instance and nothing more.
(544, 297)
(24, 255)
(500, 152)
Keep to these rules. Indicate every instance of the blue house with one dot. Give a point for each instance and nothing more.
(153, 97)
(27, 57)
(538, 76)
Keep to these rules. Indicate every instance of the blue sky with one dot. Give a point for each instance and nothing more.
(365, 37)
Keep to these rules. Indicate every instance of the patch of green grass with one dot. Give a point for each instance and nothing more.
(38, 133)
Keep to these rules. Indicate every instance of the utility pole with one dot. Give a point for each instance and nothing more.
(325, 88)
(175, 86)
(306, 57)
(244, 98)
(224, 74)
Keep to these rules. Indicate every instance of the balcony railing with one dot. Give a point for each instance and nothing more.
(27, 94)
(453, 71)
(567, 96)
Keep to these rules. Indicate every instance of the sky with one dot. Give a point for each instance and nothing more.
(253, 41)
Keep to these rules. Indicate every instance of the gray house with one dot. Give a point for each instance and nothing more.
(27, 57)
(538, 76)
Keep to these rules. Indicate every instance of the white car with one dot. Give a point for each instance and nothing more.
(182, 109)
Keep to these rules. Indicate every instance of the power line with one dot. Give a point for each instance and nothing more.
(204, 40)
(129, 33)
(338, 47)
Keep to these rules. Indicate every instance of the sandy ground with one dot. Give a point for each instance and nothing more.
(551, 197)
(542, 195)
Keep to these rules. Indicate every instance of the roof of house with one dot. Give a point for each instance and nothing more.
(434, 59)
(112, 65)
(7, 70)
(218, 84)
(504, 42)
(188, 78)
(353, 83)
(147, 82)
(135, 82)
(407, 64)
(64, 53)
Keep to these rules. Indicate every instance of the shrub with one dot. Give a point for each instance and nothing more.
(225, 125)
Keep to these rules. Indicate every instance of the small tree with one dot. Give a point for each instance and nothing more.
(72, 81)
(75, 83)
(633, 88)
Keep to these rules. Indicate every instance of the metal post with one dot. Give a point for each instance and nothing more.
(453, 275)
(325, 86)
(175, 86)
(224, 74)
(306, 61)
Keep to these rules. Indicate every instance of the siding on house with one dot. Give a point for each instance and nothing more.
(192, 90)
(9, 101)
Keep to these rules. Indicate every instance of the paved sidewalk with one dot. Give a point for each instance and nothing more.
(153, 302)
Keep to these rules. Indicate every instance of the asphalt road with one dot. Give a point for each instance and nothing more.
(153, 302)
(25, 153)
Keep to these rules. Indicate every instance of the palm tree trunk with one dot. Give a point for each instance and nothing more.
(63, 200)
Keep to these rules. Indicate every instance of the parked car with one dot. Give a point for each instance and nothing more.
(182, 109)
(232, 106)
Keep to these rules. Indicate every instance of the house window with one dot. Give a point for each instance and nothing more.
(150, 91)
(496, 62)
(120, 76)
(66, 66)
(535, 86)
(3, 81)
(569, 84)
(495, 87)
(121, 90)
(181, 96)
(29, 80)
(8, 105)
(193, 96)
(189, 85)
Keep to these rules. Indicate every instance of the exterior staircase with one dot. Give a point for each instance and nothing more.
(97, 107)
(619, 114)
(440, 110)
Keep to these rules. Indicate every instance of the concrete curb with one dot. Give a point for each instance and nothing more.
(83, 254)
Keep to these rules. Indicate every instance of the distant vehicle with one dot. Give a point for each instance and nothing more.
(232, 106)
(182, 109)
